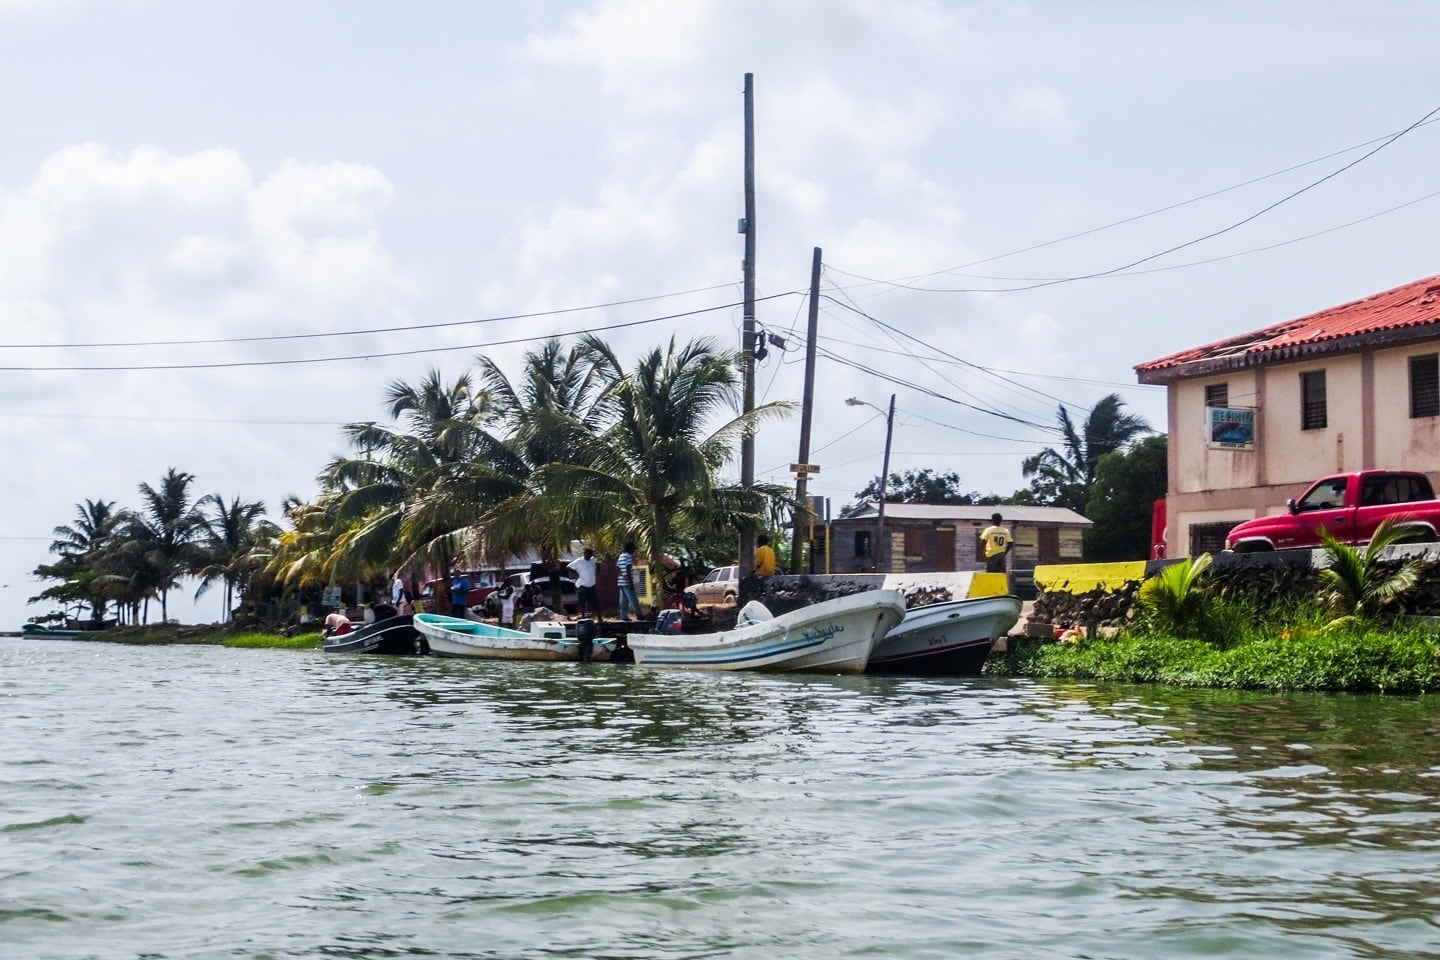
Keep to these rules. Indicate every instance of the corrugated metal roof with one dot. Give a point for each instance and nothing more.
(1011, 514)
(1414, 305)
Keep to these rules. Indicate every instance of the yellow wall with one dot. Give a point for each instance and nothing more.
(1083, 577)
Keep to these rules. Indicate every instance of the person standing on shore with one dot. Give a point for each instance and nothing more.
(459, 594)
(585, 576)
(998, 543)
(764, 556)
(625, 580)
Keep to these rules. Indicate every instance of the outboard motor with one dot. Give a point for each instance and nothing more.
(585, 633)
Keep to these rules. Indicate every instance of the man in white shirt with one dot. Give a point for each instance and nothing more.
(585, 576)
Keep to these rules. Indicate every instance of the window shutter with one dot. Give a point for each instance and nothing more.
(1425, 385)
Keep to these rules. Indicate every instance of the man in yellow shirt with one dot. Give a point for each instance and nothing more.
(997, 545)
(764, 556)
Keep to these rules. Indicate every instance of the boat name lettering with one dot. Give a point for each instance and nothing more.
(823, 633)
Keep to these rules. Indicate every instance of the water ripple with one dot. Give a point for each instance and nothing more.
(179, 802)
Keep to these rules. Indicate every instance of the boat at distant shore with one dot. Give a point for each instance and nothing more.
(457, 637)
(393, 635)
(952, 638)
(833, 636)
(39, 631)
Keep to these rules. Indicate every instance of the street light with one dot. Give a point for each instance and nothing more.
(884, 470)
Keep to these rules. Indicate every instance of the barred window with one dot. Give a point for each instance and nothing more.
(1312, 400)
(1209, 537)
(1425, 385)
(1217, 395)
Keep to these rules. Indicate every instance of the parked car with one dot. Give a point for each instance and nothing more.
(721, 585)
(535, 591)
(1349, 505)
(480, 588)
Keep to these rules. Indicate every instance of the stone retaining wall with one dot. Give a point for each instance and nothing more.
(1104, 594)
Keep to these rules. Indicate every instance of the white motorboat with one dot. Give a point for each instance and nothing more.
(949, 638)
(834, 636)
(455, 637)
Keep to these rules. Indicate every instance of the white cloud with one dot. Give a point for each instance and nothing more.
(639, 47)
(111, 242)
(1044, 111)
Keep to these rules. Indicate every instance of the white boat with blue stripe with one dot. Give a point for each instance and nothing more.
(834, 636)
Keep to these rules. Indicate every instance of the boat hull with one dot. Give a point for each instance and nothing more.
(393, 635)
(453, 637)
(951, 638)
(34, 631)
(836, 636)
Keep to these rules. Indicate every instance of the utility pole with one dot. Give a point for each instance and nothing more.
(884, 478)
(803, 517)
(884, 474)
(747, 336)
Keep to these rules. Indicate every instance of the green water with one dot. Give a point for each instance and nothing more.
(183, 802)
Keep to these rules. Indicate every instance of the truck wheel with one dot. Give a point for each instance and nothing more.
(729, 596)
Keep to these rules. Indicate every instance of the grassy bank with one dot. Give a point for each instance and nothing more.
(1359, 658)
(212, 634)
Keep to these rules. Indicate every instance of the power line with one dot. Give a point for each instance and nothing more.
(356, 333)
(879, 374)
(945, 353)
(1384, 141)
(1194, 263)
(117, 417)
(378, 356)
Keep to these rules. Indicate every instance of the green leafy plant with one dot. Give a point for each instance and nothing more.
(1175, 600)
(1357, 584)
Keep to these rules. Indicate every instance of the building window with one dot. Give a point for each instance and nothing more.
(1209, 537)
(1312, 400)
(862, 543)
(1217, 395)
(1425, 385)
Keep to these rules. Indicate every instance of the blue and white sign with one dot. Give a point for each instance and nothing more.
(1230, 428)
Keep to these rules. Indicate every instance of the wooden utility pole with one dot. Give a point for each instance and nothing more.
(747, 336)
(804, 468)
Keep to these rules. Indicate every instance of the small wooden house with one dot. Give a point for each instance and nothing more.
(926, 538)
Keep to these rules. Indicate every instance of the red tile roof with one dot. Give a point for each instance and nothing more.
(1410, 307)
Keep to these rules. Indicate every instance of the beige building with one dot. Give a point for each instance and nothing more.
(1254, 418)
(926, 538)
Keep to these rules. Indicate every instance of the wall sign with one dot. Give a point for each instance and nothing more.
(1230, 428)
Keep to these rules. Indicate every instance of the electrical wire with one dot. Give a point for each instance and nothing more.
(930, 346)
(1384, 141)
(375, 356)
(355, 333)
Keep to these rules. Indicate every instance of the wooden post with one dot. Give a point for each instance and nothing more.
(807, 402)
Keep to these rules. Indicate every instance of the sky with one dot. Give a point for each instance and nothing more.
(225, 227)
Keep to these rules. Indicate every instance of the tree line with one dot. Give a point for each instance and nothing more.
(471, 470)
(484, 467)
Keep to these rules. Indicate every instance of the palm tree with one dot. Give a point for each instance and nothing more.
(80, 547)
(164, 529)
(650, 476)
(1357, 585)
(130, 571)
(1063, 477)
(227, 538)
(417, 490)
(550, 414)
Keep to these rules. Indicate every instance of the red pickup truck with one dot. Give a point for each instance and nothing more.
(1349, 505)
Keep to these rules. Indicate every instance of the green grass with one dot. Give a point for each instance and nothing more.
(270, 641)
(1298, 655)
